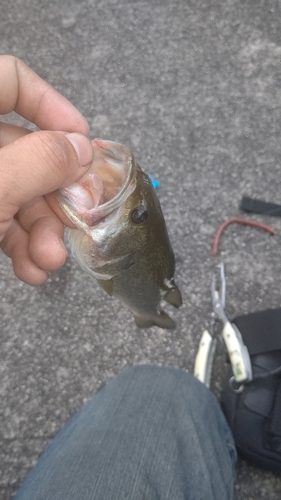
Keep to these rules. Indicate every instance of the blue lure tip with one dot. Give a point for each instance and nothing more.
(155, 184)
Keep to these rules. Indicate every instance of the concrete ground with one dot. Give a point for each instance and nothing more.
(193, 88)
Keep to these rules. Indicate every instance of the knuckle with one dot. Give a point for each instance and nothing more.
(55, 151)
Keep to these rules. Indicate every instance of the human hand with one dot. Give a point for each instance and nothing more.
(33, 164)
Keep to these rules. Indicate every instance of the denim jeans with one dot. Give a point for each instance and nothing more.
(150, 433)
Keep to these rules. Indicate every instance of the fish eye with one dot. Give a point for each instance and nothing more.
(139, 215)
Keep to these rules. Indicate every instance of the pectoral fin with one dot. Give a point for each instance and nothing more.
(173, 297)
(114, 266)
(107, 285)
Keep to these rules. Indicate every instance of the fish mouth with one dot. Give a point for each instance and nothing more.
(104, 188)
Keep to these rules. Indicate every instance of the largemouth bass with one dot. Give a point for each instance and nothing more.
(121, 238)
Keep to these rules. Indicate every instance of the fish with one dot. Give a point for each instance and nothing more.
(120, 236)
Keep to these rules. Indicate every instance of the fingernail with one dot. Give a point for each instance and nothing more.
(83, 148)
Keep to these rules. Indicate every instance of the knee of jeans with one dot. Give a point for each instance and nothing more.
(148, 375)
(152, 372)
(164, 377)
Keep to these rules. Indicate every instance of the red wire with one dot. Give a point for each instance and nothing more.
(238, 220)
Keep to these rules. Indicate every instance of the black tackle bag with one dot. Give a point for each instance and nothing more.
(253, 410)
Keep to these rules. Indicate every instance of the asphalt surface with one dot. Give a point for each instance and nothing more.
(193, 88)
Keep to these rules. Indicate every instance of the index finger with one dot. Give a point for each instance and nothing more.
(23, 91)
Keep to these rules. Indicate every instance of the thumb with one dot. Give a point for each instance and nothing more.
(39, 163)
